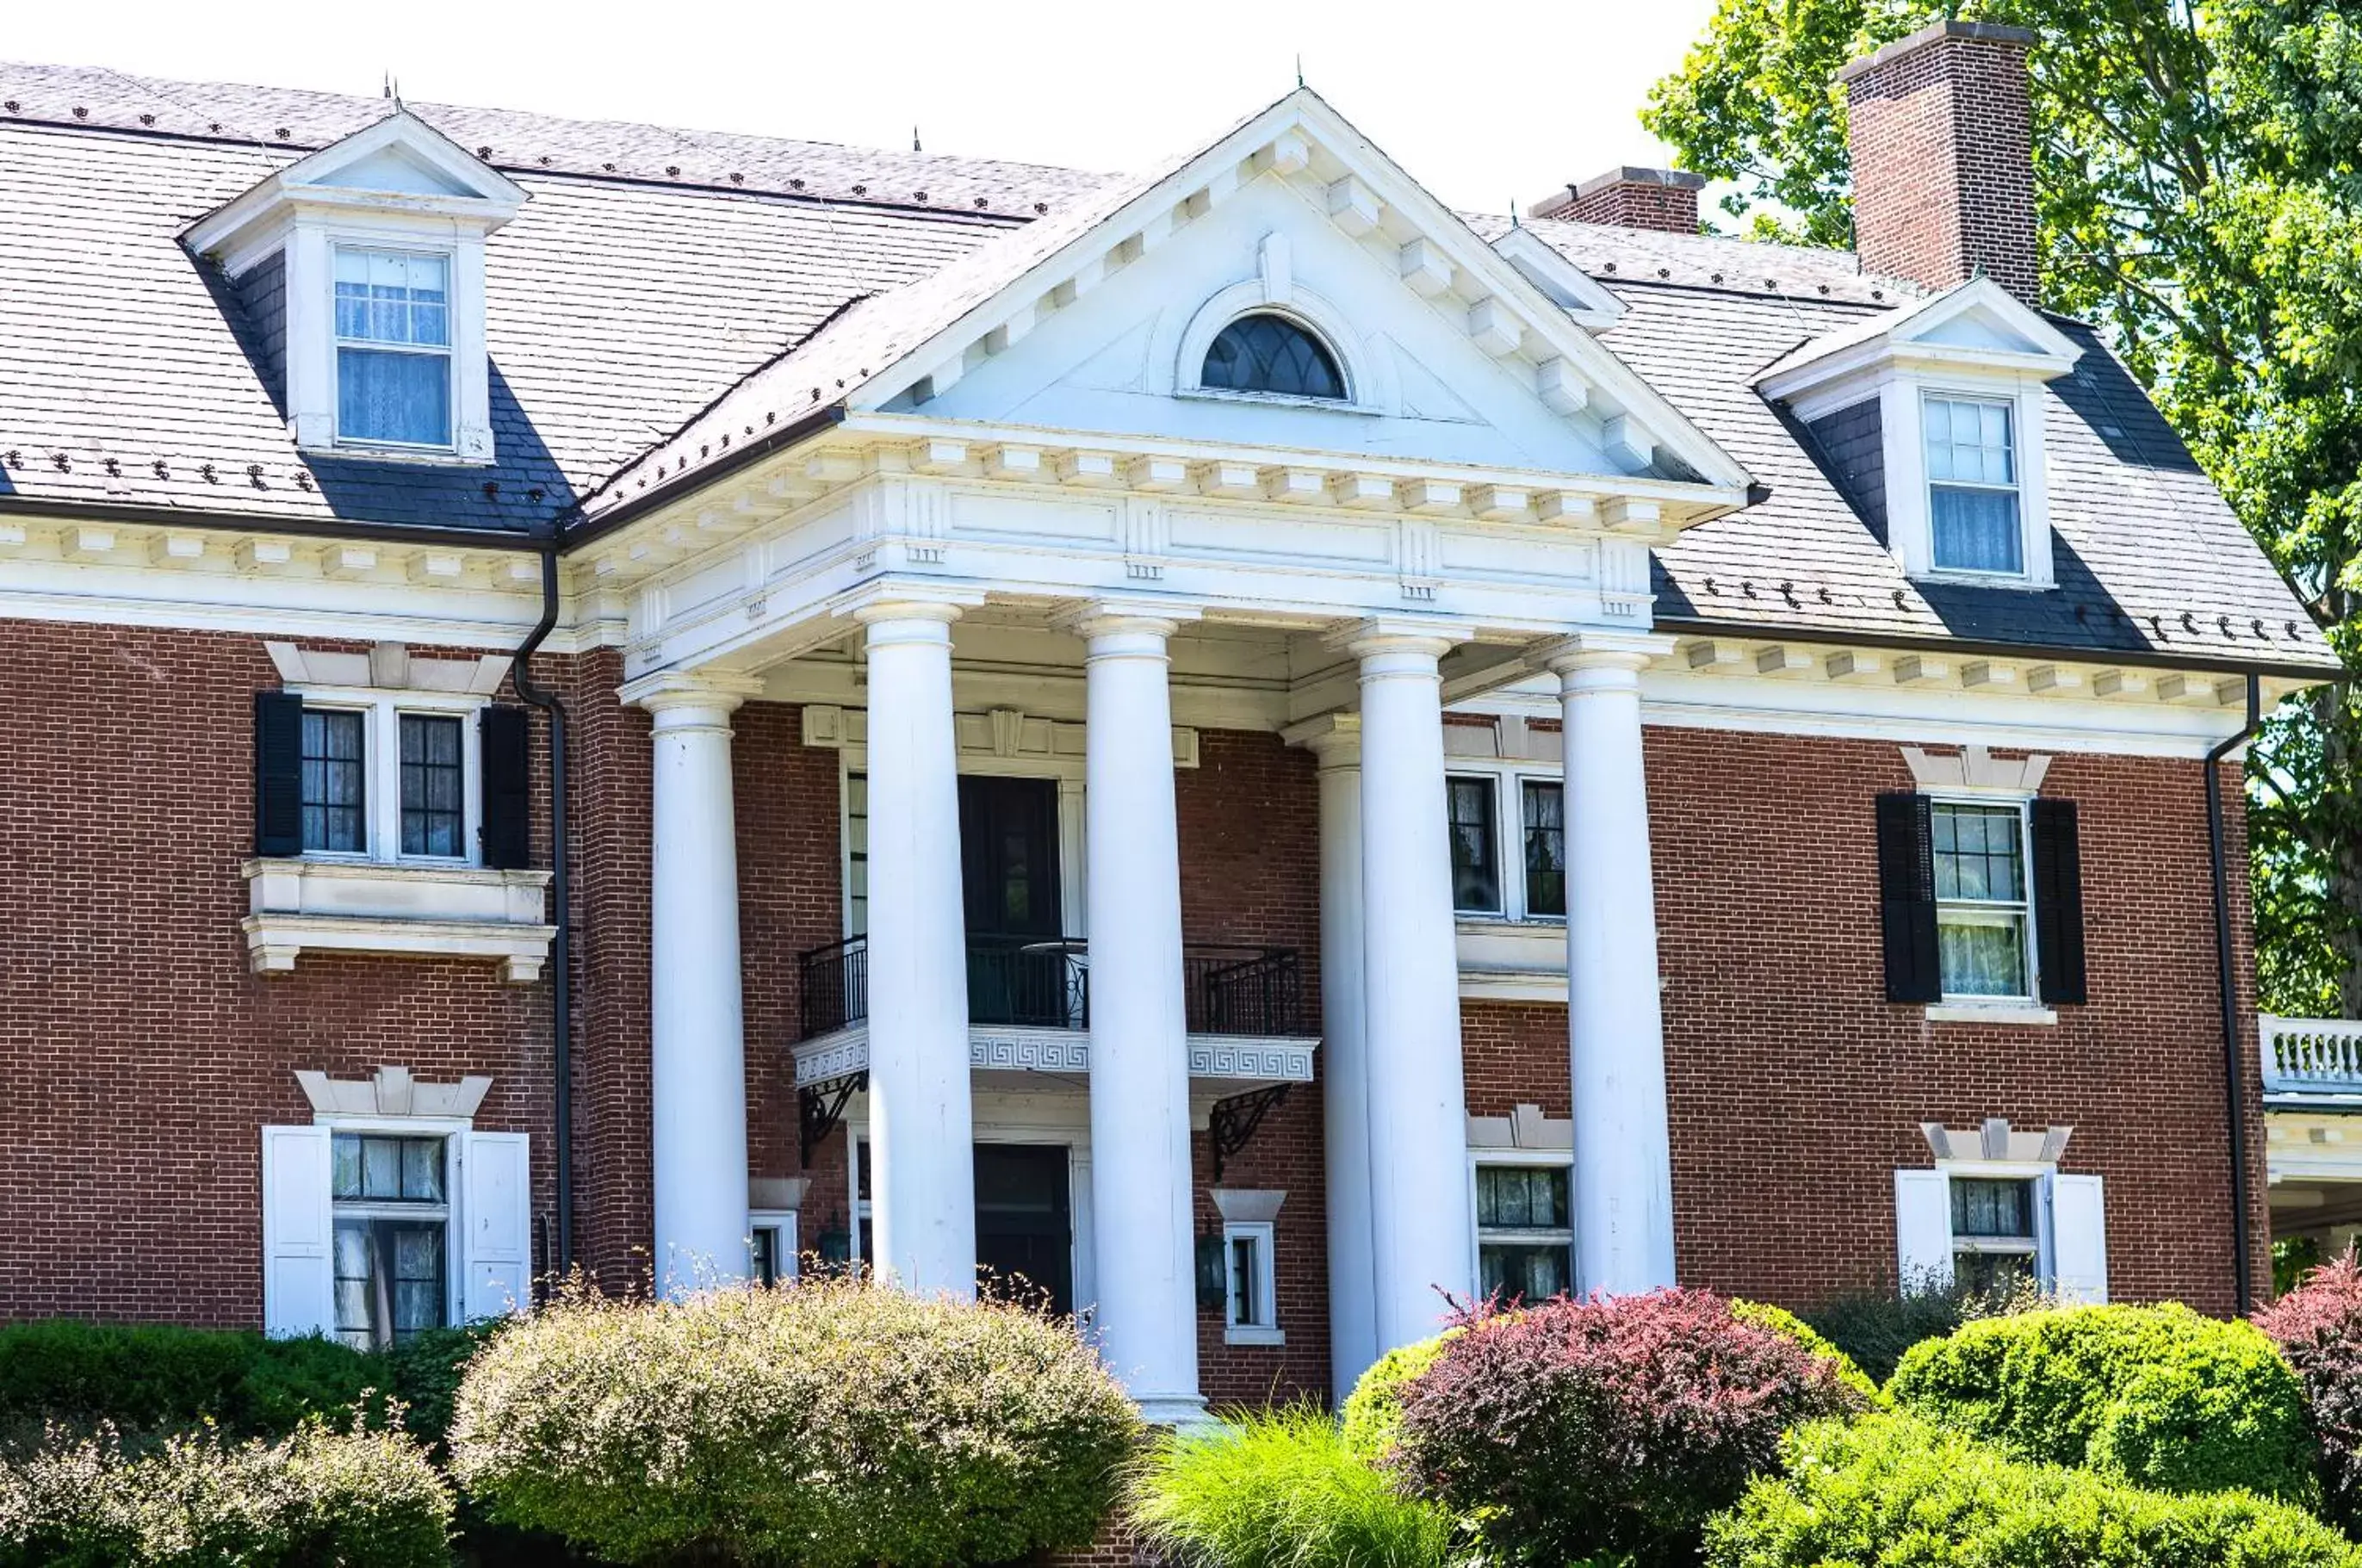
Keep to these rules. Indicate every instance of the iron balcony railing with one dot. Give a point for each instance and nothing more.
(1046, 983)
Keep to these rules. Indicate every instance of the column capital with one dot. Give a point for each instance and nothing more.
(1629, 652)
(1399, 635)
(671, 690)
(888, 601)
(1334, 738)
(1100, 618)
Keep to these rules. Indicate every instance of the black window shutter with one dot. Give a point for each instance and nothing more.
(1906, 895)
(2059, 900)
(278, 772)
(508, 799)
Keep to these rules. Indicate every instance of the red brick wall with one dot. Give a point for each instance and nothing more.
(1942, 141)
(1797, 1089)
(1631, 203)
(139, 1052)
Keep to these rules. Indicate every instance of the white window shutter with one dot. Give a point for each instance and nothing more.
(299, 1233)
(2079, 1239)
(1923, 1230)
(496, 1197)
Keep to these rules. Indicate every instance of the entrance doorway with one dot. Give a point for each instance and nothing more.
(1024, 1223)
(1020, 969)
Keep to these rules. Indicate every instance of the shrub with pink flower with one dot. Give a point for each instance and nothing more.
(1612, 1425)
(2318, 1327)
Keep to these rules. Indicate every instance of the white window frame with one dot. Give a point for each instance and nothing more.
(447, 351)
(2046, 1179)
(1508, 780)
(382, 769)
(1262, 1290)
(1547, 1159)
(2015, 489)
(786, 1247)
(2030, 998)
(451, 1131)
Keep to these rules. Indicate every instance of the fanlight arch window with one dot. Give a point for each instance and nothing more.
(1266, 353)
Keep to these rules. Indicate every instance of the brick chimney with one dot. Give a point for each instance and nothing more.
(1942, 135)
(1631, 198)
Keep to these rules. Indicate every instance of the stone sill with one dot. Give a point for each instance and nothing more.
(1992, 1013)
(397, 909)
(1239, 1336)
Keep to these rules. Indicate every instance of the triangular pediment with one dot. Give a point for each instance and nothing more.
(1976, 326)
(1453, 350)
(398, 163)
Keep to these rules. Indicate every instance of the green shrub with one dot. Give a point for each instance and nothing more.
(423, 1372)
(1892, 1492)
(1780, 1320)
(1875, 1327)
(151, 1378)
(1374, 1409)
(831, 1424)
(1614, 1425)
(1279, 1489)
(2318, 1327)
(2157, 1396)
(354, 1499)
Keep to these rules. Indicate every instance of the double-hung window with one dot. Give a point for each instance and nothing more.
(1250, 1281)
(394, 347)
(336, 789)
(392, 1217)
(1537, 810)
(1981, 914)
(1972, 487)
(1524, 1237)
(1994, 1243)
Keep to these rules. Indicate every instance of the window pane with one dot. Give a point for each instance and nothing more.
(1982, 958)
(345, 1163)
(1522, 1272)
(1545, 849)
(1475, 870)
(331, 786)
(383, 396)
(1521, 1197)
(422, 1169)
(1991, 1274)
(856, 852)
(1977, 530)
(433, 820)
(382, 1168)
(766, 1255)
(1991, 1207)
(1980, 853)
(1271, 354)
(392, 297)
(1242, 1281)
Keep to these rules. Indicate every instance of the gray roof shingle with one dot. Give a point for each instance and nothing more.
(663, 282)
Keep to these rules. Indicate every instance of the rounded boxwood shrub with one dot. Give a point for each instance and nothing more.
(354, 1499)
(2318, 1327)
(1278, 1489)
(1374, 1409)
(1894, 1492)
(2157, 1395)
(831, 1424)
(1612, 1425)
(1780, 1320)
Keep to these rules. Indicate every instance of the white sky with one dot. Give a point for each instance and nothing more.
(1484, 100)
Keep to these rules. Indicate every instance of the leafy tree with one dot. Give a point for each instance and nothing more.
(2198, 171)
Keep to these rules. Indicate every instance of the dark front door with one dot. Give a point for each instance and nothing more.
(1018, 972)
(1024, 1224)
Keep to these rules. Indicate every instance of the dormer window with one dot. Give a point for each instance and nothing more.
(394, 347)
(1972, 499)
(1270, 354)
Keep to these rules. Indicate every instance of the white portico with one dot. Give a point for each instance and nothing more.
(1270, 443)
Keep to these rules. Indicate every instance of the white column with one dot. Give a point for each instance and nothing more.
(921, 1129)
(1422, 1223)
(697, 1017)
(1623, 1157)
(1140, 1180)
(1344, 1066)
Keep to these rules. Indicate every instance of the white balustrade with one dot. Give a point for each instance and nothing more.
(2312, 1056)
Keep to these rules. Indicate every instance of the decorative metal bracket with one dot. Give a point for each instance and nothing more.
(820, 1107)
(1232, 1122)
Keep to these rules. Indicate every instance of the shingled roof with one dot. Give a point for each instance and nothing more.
(656, 270)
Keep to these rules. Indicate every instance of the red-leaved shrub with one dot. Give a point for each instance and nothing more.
(1611, 1425)
(2318, 1327)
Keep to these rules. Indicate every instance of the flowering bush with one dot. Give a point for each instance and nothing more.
(1893, 1492)
(2157, 1396)
(1576, 1428)
(357, 1499)
(2318, 1327)
(831, 1424)
(1279, 1489)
